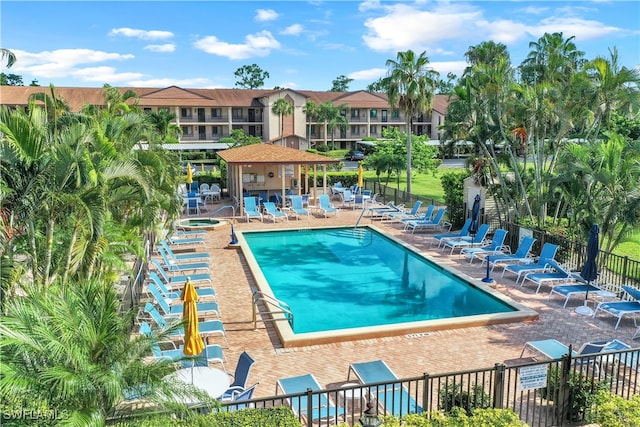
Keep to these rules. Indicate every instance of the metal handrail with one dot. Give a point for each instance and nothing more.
(233, 208)
(283, 308)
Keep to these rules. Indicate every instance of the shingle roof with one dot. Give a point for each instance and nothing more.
(272, 154)
(173, 96)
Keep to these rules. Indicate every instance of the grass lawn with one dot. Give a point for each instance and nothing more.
(425, 185)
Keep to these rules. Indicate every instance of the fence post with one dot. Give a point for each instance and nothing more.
(625, 266)
(498, 390)
(563, 398)
(310, 407)
(425, 392)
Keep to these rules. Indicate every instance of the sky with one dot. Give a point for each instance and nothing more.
(303, 45)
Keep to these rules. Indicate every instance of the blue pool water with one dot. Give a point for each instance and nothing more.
(341, 278)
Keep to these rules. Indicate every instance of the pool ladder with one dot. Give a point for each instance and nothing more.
(281, 307)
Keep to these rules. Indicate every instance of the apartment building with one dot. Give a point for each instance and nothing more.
(208, 115)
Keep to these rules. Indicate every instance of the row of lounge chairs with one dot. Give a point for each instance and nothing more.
(383, 386)
(541, 271)
(295, 209)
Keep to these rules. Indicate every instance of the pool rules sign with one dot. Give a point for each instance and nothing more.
(533, 377)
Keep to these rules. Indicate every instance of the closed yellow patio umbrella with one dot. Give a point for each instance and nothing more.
(193, 343)
(189, 174)
(360, 176)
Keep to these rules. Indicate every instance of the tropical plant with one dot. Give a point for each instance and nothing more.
(69, 347)
(282, 107)
(310, 109)
(164, 123)
(410, 86)
(340, 84)
(10, 56)
(332, 117)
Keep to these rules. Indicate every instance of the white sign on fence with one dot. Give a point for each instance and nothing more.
(533, 377)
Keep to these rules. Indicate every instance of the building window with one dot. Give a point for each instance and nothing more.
(147, 110)
(373, 113)
(236, 113)
(395, 114)
(355, 130)
(216, 112)
(373, 129)
(187, 130)
(355, 114)
(312, 129)
(185, 113)
(343, 113)
(215, 130)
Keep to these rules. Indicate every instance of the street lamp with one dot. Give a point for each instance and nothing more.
(369, 417)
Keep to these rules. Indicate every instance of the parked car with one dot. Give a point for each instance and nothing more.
(354, 155)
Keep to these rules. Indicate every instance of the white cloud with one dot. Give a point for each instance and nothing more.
(61, 62)
(503, 30)
(259, 44)
(168, 47)
(263, 15)
(104, 74)
(368, 75)
(407, 27)
(445, 67)
(141, 34)
(369, 5)
(581, 28)
(292, 30)
(534, 10)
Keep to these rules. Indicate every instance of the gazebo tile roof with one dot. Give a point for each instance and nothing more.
(272, 154)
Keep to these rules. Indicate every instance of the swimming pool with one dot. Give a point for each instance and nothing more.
(345, 283)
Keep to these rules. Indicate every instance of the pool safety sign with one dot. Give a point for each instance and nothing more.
(533, 377)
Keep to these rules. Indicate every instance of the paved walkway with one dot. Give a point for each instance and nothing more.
(436, 352)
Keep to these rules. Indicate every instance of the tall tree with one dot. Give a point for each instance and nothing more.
(311, 111)
(11, 80)
(163, 121)
(282, 107)
(250, 76)
(410, 86)
(332, 117)
(340, 84)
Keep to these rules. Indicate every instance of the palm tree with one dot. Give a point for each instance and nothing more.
(311, 110)
(282, 107)
(163, 122)
(613, 88)
(11, 57)
(410, 86)
(69, 347)
(332, 117)
(552, 58)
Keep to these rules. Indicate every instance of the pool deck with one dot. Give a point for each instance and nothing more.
(434, 352)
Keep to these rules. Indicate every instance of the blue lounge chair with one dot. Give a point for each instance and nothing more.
(181, 232)
(236, 404)
(495, 247)
(325, 205)
(175, 281)
(559, 274)
(206, 328)
(322, 408)
(251, 209)
(240, 377)
(554, 349)
(273, 212)
(567, 291)
(297, 207)
(175, 310)
(169, 294)
(412, 214)
(395, 397)
(211, 352)
(521, 256)
(186, 257)
(185, 241)
(548, 252)
(464, 232)
(619, 309)
(419, 224)
(172, 266)
(347, 198)
(475, 241)
(377, 211)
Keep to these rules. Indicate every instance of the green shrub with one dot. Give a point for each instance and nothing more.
(264, 417)
(612, 410)
(323, 148)
(452, 396)
(458, 418)
(453, 186)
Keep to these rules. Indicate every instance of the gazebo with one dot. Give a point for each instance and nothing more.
(267, 168)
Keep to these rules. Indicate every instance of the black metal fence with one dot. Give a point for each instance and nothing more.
(542, 393)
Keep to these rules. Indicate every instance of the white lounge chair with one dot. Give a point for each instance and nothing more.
(475, 241)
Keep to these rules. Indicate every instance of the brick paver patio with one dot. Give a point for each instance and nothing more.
(435, 352)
